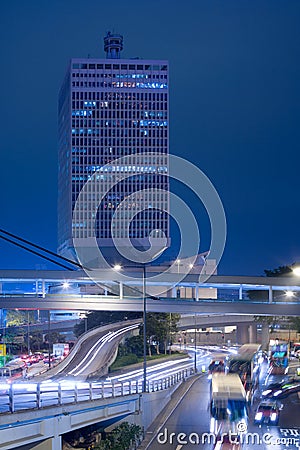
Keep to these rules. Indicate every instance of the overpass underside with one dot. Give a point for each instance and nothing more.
(43, 429)
(174, 305)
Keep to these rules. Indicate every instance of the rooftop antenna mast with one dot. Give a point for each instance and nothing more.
(113, 45)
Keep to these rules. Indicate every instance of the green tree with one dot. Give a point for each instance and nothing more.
(295, 323)
(36, 340)
(263, 295)
(14, 341)
(159, 329)
(132, 345)
(16, 317)
(279, 271)
(55, 337)
(121, 437)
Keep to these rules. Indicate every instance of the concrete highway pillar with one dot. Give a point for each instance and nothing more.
(270, 294)
(43, 288)
(54, 443)
(241, 292)
(242, 333)
(253, 333)
(265, 336)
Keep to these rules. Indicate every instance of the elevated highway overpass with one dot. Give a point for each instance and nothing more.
(173, 305)
(41, 283)
(214, 320)
(224, 296)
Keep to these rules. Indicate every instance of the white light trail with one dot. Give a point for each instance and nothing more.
(102, 341)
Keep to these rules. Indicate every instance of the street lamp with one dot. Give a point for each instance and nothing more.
(296, 271)
(142, 266)
(65, 285)
(170, 326)
(289, 294)
(195, 347)
(28, 333)
(49, 344)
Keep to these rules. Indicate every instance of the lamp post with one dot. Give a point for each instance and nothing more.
(170, 326)
(49, 344)
(195, 348)
(144, 330)
(289, 294)
(142, 266)
(65, 285)
(3, 334)
(28, 334)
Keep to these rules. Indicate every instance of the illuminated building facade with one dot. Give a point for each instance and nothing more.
(109, 109)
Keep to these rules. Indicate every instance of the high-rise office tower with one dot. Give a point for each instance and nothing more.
(109, 109)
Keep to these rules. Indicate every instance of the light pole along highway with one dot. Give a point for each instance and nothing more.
(142, 266)
(64, 285)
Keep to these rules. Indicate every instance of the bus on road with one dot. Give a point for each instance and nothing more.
(278, 357)
(228, 405)
(246, 364)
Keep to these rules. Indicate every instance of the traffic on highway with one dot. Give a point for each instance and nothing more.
(240, 398)
(239, 403)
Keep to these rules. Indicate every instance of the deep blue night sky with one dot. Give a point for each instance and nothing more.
(234, 102)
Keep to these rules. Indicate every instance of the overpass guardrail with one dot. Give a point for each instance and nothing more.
(18, 397)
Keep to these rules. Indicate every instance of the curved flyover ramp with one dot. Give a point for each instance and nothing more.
(93, 353)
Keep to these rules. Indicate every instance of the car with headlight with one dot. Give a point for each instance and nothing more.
(281, 390)
(216, 365)
(267, 413)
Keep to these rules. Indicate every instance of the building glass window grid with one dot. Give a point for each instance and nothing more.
(119, 122)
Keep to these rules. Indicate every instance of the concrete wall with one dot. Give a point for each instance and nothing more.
(43, 429)
(152, 404)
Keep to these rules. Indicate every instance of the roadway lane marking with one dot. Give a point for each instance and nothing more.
(102, 338)
(102, 341)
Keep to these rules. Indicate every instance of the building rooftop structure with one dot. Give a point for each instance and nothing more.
(113, 155)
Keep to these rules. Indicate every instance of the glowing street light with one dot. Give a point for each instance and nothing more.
(142, 266)
(289, 294)
(296, 271)
(65, 285)
(118, 267)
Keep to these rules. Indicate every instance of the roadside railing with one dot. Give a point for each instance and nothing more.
(17, 397)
